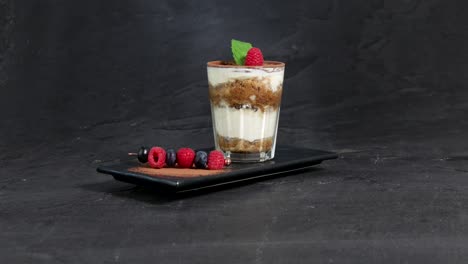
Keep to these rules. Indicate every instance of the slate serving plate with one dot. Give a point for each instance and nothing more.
(175, 180)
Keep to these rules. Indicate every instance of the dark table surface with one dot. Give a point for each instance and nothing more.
(381, 82)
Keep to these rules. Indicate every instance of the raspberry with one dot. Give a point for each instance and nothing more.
(185, 157)
(215, 160)
(157, 157)
(254, 57)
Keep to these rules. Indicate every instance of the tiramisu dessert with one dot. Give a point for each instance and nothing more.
(245, 97)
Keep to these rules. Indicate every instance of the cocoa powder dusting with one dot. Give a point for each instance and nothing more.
(175, 172)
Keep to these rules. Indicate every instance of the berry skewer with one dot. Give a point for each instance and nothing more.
(158, 158)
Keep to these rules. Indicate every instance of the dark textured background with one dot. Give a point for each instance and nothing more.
(382, 82)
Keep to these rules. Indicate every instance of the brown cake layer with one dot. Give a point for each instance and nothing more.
(254, 92)
(244, 146)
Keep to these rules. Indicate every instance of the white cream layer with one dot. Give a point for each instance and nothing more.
(271, 76)
(244, 124)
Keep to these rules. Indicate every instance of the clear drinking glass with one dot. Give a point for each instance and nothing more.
(245, 107)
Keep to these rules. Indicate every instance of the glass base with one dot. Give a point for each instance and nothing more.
(245, 157)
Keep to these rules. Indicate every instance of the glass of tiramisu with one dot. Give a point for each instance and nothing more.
(245, 106)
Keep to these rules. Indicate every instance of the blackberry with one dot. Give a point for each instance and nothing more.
(201, 160)
(171, 158)
(143, 154)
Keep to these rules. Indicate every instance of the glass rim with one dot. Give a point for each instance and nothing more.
(266, 64)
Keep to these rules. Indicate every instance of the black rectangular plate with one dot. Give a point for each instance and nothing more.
(287, 159)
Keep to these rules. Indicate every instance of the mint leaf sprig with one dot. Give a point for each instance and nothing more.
(239, 51)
